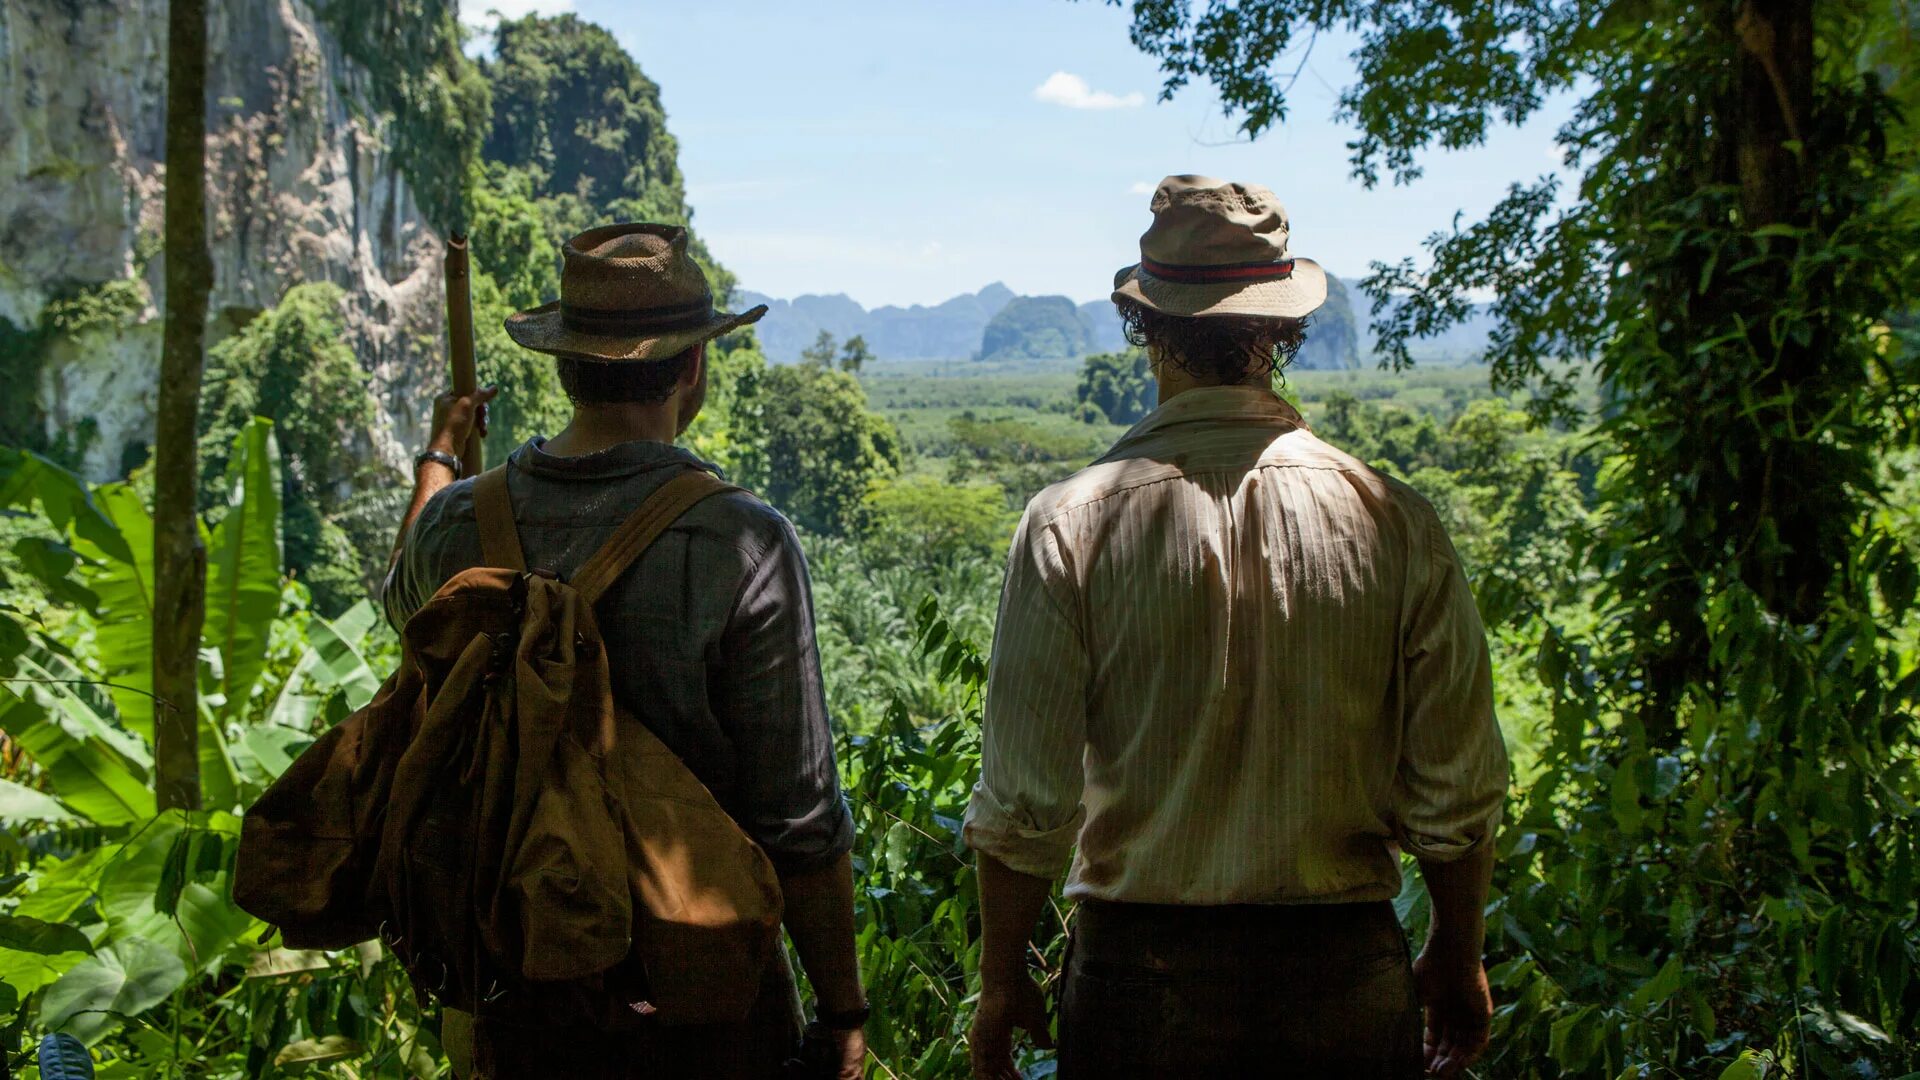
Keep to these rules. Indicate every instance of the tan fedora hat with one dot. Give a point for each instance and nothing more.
(1219, 248)
(627, 292)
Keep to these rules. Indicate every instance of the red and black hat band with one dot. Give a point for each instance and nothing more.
(1233, 274)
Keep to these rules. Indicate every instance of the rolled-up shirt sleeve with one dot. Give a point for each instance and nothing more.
(1026, 810)
(1452, 779)
(402, 592)
(770, 699)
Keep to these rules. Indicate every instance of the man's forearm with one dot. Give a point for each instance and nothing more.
(1459, 893)
(1010, 905)
(428, 478)
(819, 918)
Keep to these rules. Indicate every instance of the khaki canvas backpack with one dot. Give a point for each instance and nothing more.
(519, 843)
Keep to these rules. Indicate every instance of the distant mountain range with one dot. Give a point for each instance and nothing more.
(998, 324)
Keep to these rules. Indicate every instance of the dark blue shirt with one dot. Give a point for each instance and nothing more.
(709, 632)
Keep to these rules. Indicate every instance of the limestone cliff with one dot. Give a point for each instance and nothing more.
(302, 187)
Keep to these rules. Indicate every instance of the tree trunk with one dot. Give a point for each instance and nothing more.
(180, 560)
(1790, 492)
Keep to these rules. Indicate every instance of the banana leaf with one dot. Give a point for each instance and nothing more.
(220, 782)
(97, 768)
(22, 805)
(63, 497)
(332, 662)
(123, 580)
(243, 564)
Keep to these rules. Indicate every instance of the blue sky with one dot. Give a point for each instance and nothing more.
(905, 152)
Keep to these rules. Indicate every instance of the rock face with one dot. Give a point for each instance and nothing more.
(301, 187)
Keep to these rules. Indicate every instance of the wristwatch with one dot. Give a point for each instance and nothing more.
(439, 457)
(850, 1020)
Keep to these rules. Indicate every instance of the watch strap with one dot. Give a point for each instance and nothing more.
(438, 457)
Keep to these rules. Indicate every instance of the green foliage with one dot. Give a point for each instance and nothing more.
(729, 432)
(1019, 456)
(243, 562)
(922, 522)
(512, 239)
(576, 118)
(570, 104)
(292, 365)
(1036, 327)
(826, 352)
(824, 448)
(429, 92)
(121, 933)
(531, 401)
(919, 905)
(1117, 387)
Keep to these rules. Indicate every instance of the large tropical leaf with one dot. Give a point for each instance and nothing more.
(52, 564)
(23, 933)
(243, 563)
(332, 662)
(125, 980)
(25, 477)
(97, 768)
(60, 888)
(22, 805)
(220, 772)
(168, 885)
(63, 1057)
(123, 580)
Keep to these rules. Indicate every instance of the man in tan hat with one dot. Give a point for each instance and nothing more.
(1236, 674)
(710, 630)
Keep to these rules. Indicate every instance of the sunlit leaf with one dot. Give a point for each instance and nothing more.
(124, 980)
(308, 1051)
(96, 768)
(123, 580)
(20, 804)
(243, 562)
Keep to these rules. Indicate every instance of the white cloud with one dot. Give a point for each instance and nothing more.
(1072, 91)
(1140, 187)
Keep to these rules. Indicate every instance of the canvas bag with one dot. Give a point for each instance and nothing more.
(520, 844)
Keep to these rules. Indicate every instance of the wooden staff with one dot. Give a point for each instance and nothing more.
(460, 343)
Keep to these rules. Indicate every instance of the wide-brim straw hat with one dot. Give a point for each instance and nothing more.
(1219, 248)
(627, 292)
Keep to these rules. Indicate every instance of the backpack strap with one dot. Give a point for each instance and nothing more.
(499, 538)
(643, 527)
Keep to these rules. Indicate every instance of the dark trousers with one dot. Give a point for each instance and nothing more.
(754, 1049)
(1322, 990)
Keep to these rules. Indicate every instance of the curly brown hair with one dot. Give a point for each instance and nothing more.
(1216, 348)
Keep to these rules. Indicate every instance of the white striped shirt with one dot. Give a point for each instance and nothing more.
(1234, 665)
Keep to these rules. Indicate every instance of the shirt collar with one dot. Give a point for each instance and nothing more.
(1215, 404)
(626, 459)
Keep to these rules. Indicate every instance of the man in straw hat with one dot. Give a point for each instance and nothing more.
(710, 630)
(1237, 672)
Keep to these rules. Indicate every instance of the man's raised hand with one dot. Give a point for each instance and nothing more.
(456, 417)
